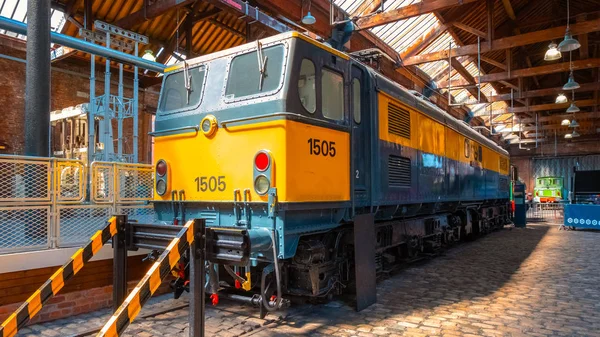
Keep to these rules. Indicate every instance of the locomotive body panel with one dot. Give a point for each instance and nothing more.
(300, 170)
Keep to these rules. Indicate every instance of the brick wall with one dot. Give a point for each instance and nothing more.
(89, 290)
(70, 86)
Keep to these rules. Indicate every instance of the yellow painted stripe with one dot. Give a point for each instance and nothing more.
(190, 232)
(134, 306)
(10, 325)
(154, 280)
(35, 303)
(431, 136)
(57, 281)
(96, 242)
(110, 330)
(320, 45)
(174, 255)
(77, 261)
(113, 226)
(173, 67)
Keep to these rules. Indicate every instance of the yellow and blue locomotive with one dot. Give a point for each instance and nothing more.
(279, 144)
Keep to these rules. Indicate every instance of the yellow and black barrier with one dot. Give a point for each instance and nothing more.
(148, 285)
(56, 282)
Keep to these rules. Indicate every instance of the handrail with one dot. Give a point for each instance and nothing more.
(244, 119)
(56, 282)
(181, 128)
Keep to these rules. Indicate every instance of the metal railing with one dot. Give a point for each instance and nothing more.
(545, 212)
(44, 201)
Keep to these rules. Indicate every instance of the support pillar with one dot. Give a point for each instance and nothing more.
(197, 279)
(119, 242)
(37, 79)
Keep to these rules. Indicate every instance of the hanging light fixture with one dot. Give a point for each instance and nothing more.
(573, 124)
(575, 134)
(308, 19)
(568, 136)
(565, 122)
(561, 98)
(573, 108)
(552, 53)
(571, 84)
(569, 43)
(148, 55)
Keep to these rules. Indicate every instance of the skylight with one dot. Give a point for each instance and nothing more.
(17, 10)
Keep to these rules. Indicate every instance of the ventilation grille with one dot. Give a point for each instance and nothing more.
(503, 164)
(398, 121)
(399, 171)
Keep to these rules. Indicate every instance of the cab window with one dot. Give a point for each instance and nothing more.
(306, 86)
(356, 99)
(177, 96)
(332, 93)
(247, 79)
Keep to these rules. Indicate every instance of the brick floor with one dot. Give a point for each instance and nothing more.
(536, 281)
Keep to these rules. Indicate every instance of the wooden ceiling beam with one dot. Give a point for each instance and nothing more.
(493, 62)
(560, 117)
(509, 10)
(469, 29)
(150, 12)
(528, 72)
(424, 41)
(583, 40)
(468, 77)
(367, 7)
(551, 106)
(393, 15)
(507, 42)
(594, 86)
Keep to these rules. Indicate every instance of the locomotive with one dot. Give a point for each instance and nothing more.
(281, 143)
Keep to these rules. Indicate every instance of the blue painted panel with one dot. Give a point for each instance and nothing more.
(452, 179)
(582, 216)
(467, 181)
(431, 177)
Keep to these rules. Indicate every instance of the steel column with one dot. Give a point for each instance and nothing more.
(120, 262)
(197, 280)
(106, 128)
(37, 79)
(136, 114)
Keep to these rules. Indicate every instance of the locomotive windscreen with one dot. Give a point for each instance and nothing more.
(250, 76)
(180, 93)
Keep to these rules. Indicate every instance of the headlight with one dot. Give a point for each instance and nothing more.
(262, 185)
(209, 126)
(161, 187)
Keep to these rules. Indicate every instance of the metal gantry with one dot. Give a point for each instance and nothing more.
(108, 107)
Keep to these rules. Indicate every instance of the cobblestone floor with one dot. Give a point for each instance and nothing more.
(537, 281)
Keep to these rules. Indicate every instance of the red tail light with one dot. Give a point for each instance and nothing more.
(161, 168)
(262, 161)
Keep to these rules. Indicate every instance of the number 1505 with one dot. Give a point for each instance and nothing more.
(211, 184)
